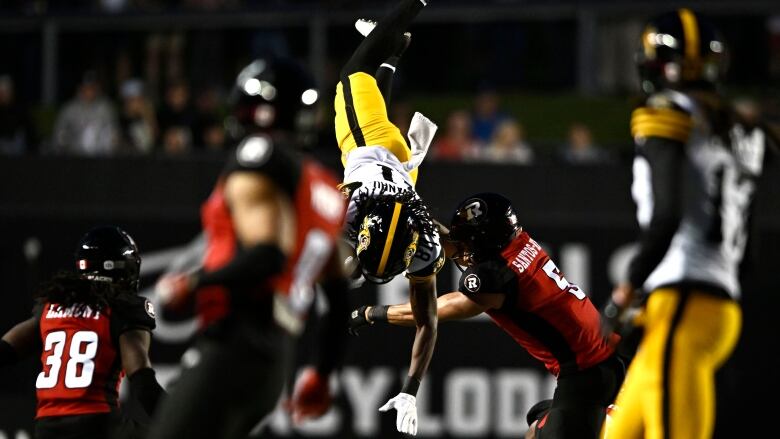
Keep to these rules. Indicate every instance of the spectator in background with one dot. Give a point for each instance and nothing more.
(214, 137)
(581, 150)
(207, 111)
(87, 125)
(137, 122)
(457, 143)
(177, 118)
(487, 115)
(177, 141)
(14, 125)
(508, 145)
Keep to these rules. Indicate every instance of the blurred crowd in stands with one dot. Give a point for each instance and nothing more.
(165, 91)
(39, 7)
(182, 121)
(93, 124)
(489, 134)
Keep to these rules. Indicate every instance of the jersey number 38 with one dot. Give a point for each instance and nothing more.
(82, 348)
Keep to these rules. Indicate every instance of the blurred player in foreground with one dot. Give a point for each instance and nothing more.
(91, 329)
(388, 225)
(272, 224)
(511, 278)
(695, 173)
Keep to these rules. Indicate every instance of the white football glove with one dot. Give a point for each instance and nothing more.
(406, 416)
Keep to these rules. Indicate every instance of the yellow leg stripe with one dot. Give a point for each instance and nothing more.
(691, 32)
(389, 240)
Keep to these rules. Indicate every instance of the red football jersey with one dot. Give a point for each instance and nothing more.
(81, 363)
(319, 213)
(551, 318)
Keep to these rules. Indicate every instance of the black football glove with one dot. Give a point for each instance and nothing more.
(357, 320)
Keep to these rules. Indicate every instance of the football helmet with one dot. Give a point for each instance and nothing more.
(386, 240)
(109, 254)
(483, 224)
(680, 49)
(273, 94)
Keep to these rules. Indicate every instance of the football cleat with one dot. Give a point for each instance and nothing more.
(364, 26)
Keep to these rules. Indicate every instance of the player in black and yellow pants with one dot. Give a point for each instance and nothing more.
(669, 390)
(387, 223)
(361, 106)
(695, 173)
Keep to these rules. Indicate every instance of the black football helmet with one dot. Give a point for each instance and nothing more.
(680, 49)
(483, 224)
(109, 254)
(273, 94)
(386, 240)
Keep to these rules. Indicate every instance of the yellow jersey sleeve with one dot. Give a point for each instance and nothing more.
(668, 122)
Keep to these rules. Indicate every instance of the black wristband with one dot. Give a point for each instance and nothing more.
(145, 388)
(8, 355)
(411, 385)
(378, 313)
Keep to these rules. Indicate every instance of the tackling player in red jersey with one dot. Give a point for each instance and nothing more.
(91, 329)
(273, 224)
(513, 280)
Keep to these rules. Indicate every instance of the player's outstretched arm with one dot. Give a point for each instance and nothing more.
(450, 306)
(422, 299)
(134, 349)
(422, 295)
(19, 341)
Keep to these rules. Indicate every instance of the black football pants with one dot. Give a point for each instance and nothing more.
(237, 380)
(94, 426)
(580, 402)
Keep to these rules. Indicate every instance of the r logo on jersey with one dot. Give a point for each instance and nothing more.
(475, 209)
(149, 307)
(472, 282)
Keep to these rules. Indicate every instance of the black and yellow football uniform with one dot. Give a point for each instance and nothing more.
(387, 222)
(695, 173)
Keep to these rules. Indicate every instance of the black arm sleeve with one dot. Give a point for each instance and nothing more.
(8, 355)
(249, 267)
(333, 336)
(145, 389)
(131, 313)
(666, 158)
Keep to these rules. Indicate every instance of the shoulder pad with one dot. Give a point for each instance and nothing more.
(134, 312)
(666, 115)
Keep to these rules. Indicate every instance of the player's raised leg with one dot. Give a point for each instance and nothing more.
(361, 113)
